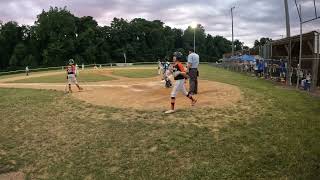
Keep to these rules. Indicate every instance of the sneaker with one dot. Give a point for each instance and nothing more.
(170, 111)
(194, 102)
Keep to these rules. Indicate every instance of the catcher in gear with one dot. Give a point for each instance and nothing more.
(71, 75)
(166, 75)
(180, 75)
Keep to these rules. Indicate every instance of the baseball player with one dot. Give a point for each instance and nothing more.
(167, 74)
(71, 75)
(180, 75)
(27, 70)
(159, 67)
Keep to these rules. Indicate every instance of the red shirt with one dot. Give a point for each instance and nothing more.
(71, 69)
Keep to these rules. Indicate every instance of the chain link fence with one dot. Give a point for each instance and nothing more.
(274, 70)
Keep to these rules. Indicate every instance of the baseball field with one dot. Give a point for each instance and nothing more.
(241, 128)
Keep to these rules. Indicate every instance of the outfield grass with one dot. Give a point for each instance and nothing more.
(24, 74)
(272, 134)
(136, 73)
(11, 75)
(86, 76)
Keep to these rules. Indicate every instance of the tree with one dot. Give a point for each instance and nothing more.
(58, 35)
(238, 45)
(13, 61)
(261, 42)
(56, 31)
(10, 36)
(222, 45)
(29, 61)
(188, 38)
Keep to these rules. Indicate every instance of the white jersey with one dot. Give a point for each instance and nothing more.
(76, 70)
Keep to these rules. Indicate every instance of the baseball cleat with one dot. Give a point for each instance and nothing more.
(170, 111)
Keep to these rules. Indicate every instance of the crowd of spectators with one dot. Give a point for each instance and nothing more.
(275, 70)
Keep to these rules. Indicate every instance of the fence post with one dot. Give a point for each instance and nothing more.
(315, 64)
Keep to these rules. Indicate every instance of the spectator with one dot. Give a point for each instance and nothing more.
(265, 70)
(282, 69)
(256, 68)
(260, 68)
(307, 84)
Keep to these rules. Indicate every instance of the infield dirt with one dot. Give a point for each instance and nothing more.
(139, 93)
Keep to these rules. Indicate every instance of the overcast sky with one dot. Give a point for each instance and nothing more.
(253, 18)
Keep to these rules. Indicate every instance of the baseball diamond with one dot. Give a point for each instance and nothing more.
(117, 122)
(143, 93)
(159, 90)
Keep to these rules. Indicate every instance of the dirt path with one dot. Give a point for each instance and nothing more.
(141, 93)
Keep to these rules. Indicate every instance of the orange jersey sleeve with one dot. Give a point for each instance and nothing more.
(181, 67)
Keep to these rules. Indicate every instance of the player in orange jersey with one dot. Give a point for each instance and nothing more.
(180, 75)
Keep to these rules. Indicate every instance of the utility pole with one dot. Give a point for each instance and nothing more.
(194, 39)
(232, 30)
(300, 51)
(289, 46)
(287, 18)
(194, 26)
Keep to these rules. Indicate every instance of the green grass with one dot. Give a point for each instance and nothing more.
(272, 133)
(11, 75)
(86, 76)
(24, 74)
(136, 73)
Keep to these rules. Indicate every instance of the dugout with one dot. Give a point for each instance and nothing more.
(280, 49)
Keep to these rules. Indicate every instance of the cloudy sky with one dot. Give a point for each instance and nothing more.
(253, 18)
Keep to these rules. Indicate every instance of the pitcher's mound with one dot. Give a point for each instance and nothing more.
(150, 94)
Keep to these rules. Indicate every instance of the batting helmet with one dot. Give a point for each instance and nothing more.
(71, 61)
(178, 55)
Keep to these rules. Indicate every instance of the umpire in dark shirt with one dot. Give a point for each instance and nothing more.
(193, 63)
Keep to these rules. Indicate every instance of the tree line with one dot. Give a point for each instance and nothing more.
(57, 35)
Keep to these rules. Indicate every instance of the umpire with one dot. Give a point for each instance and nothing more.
(193, 63)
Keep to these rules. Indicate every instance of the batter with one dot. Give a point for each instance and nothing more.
(180, 75)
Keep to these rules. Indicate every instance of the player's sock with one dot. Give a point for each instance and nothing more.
(70, 90)
(79, 87)
(172, 102)
(172, 106)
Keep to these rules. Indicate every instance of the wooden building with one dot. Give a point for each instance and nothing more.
(289, 49)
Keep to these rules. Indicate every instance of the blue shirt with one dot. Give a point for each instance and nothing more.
(166, 66)
(261, 66)
(193, 59)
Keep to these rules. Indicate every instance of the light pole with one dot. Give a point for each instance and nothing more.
(287, 18)
(194, 26)
(232, 30)
(286, 8)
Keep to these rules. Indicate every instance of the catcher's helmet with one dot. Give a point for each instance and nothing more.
(178, 55)
(71, 61)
